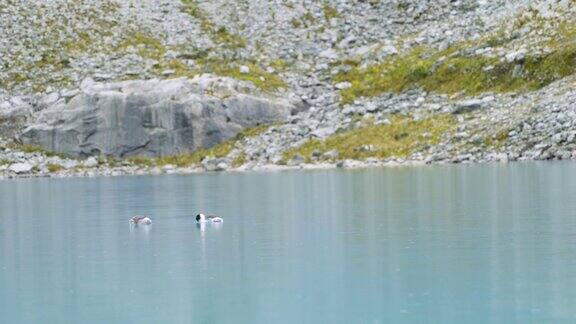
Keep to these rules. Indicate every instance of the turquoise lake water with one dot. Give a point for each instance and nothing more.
(446, 244)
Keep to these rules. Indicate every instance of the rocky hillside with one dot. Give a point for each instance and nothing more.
(350, 83)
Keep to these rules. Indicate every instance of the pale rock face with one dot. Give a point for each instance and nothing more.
(153, 118)
(90, 162)
(20, 168)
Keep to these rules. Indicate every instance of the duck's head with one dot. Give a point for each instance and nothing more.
(200, 217)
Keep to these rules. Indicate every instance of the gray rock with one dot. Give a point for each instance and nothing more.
(468, 106)
(343, 85)
(329, 54)
(331, 155)
(90, 162)
(388, 50)
(214, 164)
(222, 166)
(153, 118)
(435, 158)
(69, 164)
(20, 168)
(296, 160)
(323, 132)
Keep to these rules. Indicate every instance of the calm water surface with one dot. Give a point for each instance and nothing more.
(454, 244)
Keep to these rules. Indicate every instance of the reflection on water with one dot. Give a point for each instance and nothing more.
(492, 243)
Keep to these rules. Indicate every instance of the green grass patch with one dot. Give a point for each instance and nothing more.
(257, 75)
(221, 66)
(28, 148)
(402, 137)
(179, 68)
(194, 158)
(261, 78)
(330, 12)
(53, 168)
(306, 20)
(60, 41)
(240, 160)
(110, 161)
(497, 140)
(220, 35)
(449, 72)
(141, 161)
(146, 46)
(279, 65)
(229, 40)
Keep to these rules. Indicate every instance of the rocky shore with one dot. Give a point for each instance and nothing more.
(268, 85)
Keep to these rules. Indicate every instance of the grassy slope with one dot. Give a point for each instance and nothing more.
(402, 137)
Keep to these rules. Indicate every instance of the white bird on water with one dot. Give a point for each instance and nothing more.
(201, 218)
(140, 220)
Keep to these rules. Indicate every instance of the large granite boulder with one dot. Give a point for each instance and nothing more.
(153, 117)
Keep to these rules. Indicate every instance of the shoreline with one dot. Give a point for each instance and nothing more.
(266, 168)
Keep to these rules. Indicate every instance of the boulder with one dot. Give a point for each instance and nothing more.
(214, 164)
(296, 160)
(343, 85)
(153, 117)
(90, 162)
(20, 168)
(467, 106)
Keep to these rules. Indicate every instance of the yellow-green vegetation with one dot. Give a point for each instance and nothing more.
(61, 43)
(402, 137)
(450, 72)
(458, 70)
(252, 132)
(530, 16)
(261, 78)
(229, 40)
(80, 167)
(221, 66)
(27, 148)
(141, 160)
(178, 68)
(329, 11)
(279, 64)
(54, 167)
(150, 47)
(257, 75)
(296, 23)
(239, 160)
(306, 20)
(497, 140)
(220, 35)
(145, 45)
(194, 158)
(110, 161)
(56, 41)
(4, 162)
